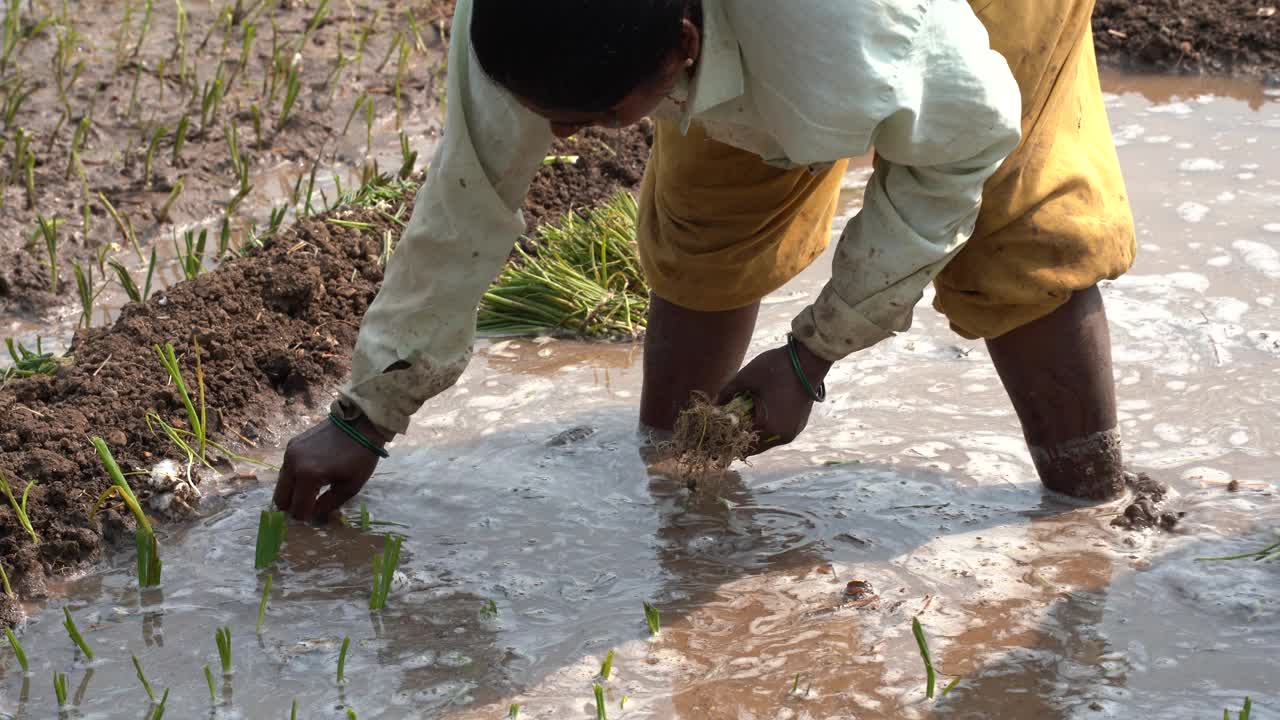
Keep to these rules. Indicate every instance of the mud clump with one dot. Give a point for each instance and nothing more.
(1144, 511)
(1219, 36)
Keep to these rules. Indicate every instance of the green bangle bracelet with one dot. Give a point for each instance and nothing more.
(818, 395)
(358, 436)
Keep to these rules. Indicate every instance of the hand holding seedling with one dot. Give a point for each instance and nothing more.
(325, 456)
(781, 400)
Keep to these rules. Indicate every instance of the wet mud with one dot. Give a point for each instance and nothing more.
(1205, 36)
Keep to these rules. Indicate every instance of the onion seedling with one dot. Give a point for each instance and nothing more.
(384, 571)
(606, 668)
(20, 508)
(262, 604)
(60, 688)
(653, 619)
(223, 638)
(148, 548)
(601, 714)
(74, 633)
(342, 660)
(84, 290)
(272, 528)
(18, 652)
(162, 215)
(142, 678)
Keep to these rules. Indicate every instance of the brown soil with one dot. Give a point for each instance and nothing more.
(276, 330)
(1190, 36)
(113, 153)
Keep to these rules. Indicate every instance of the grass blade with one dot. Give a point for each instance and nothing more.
(930, 673)
(262, 604)
(20, 509)
(601, 714)
(342, 660)
(223, 638)
(607, 666)
(142, 678)
(213, 694)
(17, 650)
(653, 619)
(74, 633)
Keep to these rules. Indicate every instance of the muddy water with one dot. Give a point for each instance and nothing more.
(912, 476)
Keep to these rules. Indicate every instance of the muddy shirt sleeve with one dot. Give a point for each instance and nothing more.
(954, 118)
(415, 340)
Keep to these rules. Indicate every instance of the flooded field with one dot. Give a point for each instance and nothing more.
(527, 485)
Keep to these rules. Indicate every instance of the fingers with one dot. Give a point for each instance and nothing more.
(728, 392)
(303, 502)
(283, 496)
(335, 497)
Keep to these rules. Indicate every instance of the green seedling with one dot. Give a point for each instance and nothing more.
(146, 27)
(191, 253)
(364, 517)
(8, 590)
(142, 678)
(223, 638)
(607, 666)
(360, 101)
(417, 34)
(402, 67)
(272, 73)
(1266, 554)
(133, 108)
(60, 688)
(213, 694)
(15, 97)
(342, 660)
(27, 363)
(149, 566)
(238, 165)
(272, 527)
(162, 215)
(601, 714)
(159, 711)
(29, 176)
(292, 86)
(74, 633)
(84, 290)
(490, 610)
(20, 508)
(196, 419)
(246, 45)
(930, 672)
(18, 652)
(293, 710)
(48, 230)
(351, 714)
(12, 33)
(127, 283)
(311, 184)
(384, 571)
(255, 115)
(151, 153)
(123, 224)
(262, 604)
(363, 40)
(513, 712)
(622, 703)
(322, 11)
(224, 238)
(162, 70)
(653, 619)
(77, 143)
(396, 41)
(180, 138)
(408, 157)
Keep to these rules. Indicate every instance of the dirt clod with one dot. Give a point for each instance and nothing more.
(709, 437)
(1144, 511)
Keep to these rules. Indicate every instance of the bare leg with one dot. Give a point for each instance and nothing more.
(1057, 371)
(688, 351)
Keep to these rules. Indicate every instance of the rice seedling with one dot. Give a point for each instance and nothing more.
(402, 67)
(362, 41)
(622, 703)
(707, 438)
(255, 116)
(151, 153)
(1266, 554)
(142, 678)
(77, 140)
(162, 215)
(341, 61)
(585, 280)
(292, 86)
(16, 96)
(513, 712)
(18, 651)
(12, 33)
(29, 176)
(60, 688)
(48, 230)
(74, 633)
(162, 70)
(27, 362)
(123, 223)
(408, 158)
(293, 710)
(272, 528)
(238, 163)
(489, 611)
(4, 577)
(223, 638)
(417, 33)
(311, 184)
(213, 693)
(342, 660)
(191, 253)
(322, 11)
(396, 41)
(210, 100)
(247, 39)
(606, 668)
(601, 713)
(180, 138)
(20, 508)
(384, 571)
(195, 419)
(144, 538)
(133, 107)
(351, 714)
(360, 101)
(270, 75)
(159, 711)
(85, 292)
(930, 672)
(653, 619)
(262, 604)
(127, 283)
(146, 27)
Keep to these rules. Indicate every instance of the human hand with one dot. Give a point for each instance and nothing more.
(325, 456)
(781, 404)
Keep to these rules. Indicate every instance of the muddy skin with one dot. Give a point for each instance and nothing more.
(1089, 468)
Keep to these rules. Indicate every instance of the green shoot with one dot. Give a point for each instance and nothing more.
(180, 138)
(86, 293)
(607, 666)
(146, 26)
(293, 711)
(8, 590)
(238, 164)
(151, 153)
(262, 604)
(490, 610)
(364, 517)
(311, 184)
(653, 619)
(213, 694)
(123, 224)
(384, 570)
(292, 86)
(360, 101)
(351, 714)
(795, 685)
(950, 686)
(196, 419)
(256, 115)
(142, 678)
(622, 703)
(60, 688)
(159, 713)
(322, 11)
(601, 714)
(20, 509)
(342, 660)
(223, 638)
(149, 565)
(923, 644)
(272, 528)
(74, 633)
(1266, 554)
(191, 259)
(396, 41)
(402, 67)
(417, 34)
(77, 143)
(513, 712)
(162, 215)
(246, 45)
(27, 363)
(18, 652)
(407, 157)
(48, 229)
(29, 175)
(127, 283)
(1247, 710)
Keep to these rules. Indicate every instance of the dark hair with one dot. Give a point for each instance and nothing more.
(577, 55)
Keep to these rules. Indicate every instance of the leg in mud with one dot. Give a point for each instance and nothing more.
(1057, 371)
(688, 351)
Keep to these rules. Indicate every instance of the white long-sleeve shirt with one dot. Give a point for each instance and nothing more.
(801, 83)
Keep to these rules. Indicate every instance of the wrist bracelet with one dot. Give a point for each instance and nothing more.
(358, 436)
(818, 395)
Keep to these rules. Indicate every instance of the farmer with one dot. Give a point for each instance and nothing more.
(995, 178)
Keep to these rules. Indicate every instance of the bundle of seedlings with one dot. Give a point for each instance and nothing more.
(707, 438)
(584, 280)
